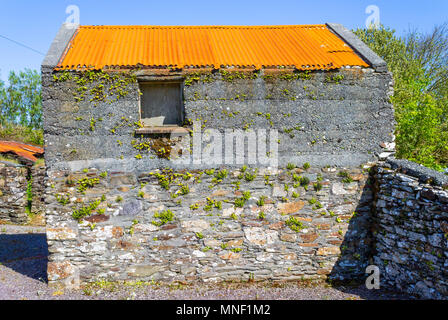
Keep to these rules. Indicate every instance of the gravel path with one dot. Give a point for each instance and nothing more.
(23, 263)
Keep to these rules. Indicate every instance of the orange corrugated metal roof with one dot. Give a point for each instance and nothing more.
(305, 47)
(25, 151)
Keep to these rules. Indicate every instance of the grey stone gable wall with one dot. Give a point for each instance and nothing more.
(320, 121)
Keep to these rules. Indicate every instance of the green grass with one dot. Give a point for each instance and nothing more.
(9, 159)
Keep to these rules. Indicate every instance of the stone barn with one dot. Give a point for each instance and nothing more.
(212, 153)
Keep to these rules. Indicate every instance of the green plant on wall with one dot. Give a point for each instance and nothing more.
(85, 183)
(29, 196)
(100, 86)
(85, 211)
(294, 224)
(63, 200)
(163, 217)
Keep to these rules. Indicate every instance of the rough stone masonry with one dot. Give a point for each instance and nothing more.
(411, 228)
(117, 208)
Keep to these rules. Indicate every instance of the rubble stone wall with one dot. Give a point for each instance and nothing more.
(411, 233)
(13, 197)
(286, 229)
(38, 188)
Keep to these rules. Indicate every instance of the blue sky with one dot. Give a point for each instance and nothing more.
(35, 23)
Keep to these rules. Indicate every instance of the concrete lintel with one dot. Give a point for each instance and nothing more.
(358, 46)
(59, 45)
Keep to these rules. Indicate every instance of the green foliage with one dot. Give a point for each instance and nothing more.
(85, 183)
(199, 235)
(260, 202)
(97, 85)
(212, 204)
(239, 202)
(21, 100)
(317, 186)
(246, 195)
(164, 217)
(29, 195)
(419, 65)
(294, 224)
(230, 76)
(248, 176)
(10, 131)
(318, 206)
(184, 189)
(336, 78)
(221, 174)
(194, 206)
(346, 176)
(63, 200)
(85, 211)
(165, 178)
(304, 181)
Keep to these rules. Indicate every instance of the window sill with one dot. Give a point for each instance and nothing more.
(163, 130)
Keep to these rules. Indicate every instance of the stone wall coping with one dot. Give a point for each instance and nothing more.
(418, 171)
(10, 164)
(358, 46)
(59, 45)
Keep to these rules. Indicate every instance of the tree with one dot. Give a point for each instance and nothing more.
(419, 66)
(21, 100)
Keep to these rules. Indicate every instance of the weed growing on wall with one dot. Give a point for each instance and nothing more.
(97, 85)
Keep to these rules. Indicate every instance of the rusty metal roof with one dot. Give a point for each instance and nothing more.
(24, 151)
(305, 47)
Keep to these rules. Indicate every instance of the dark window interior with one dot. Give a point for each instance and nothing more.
(161, 104)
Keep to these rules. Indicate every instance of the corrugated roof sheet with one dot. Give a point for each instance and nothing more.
(305, 47)
(22, 150)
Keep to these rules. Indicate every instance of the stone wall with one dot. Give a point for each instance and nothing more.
(14, 181)
(411, 232)
(13, 197)
(98, 170)
(38, 188)
(338, 118)
(300, 230)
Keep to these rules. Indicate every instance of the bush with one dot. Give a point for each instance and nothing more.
(23, 134)
(419, 66)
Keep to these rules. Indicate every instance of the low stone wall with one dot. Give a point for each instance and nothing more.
(308, 228)
(412, 229)
(13, 197)
(38, 189)
(13, 191)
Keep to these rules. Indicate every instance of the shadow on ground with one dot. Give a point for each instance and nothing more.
(26, 254)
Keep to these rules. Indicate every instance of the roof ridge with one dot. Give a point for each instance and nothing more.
(204, 26)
